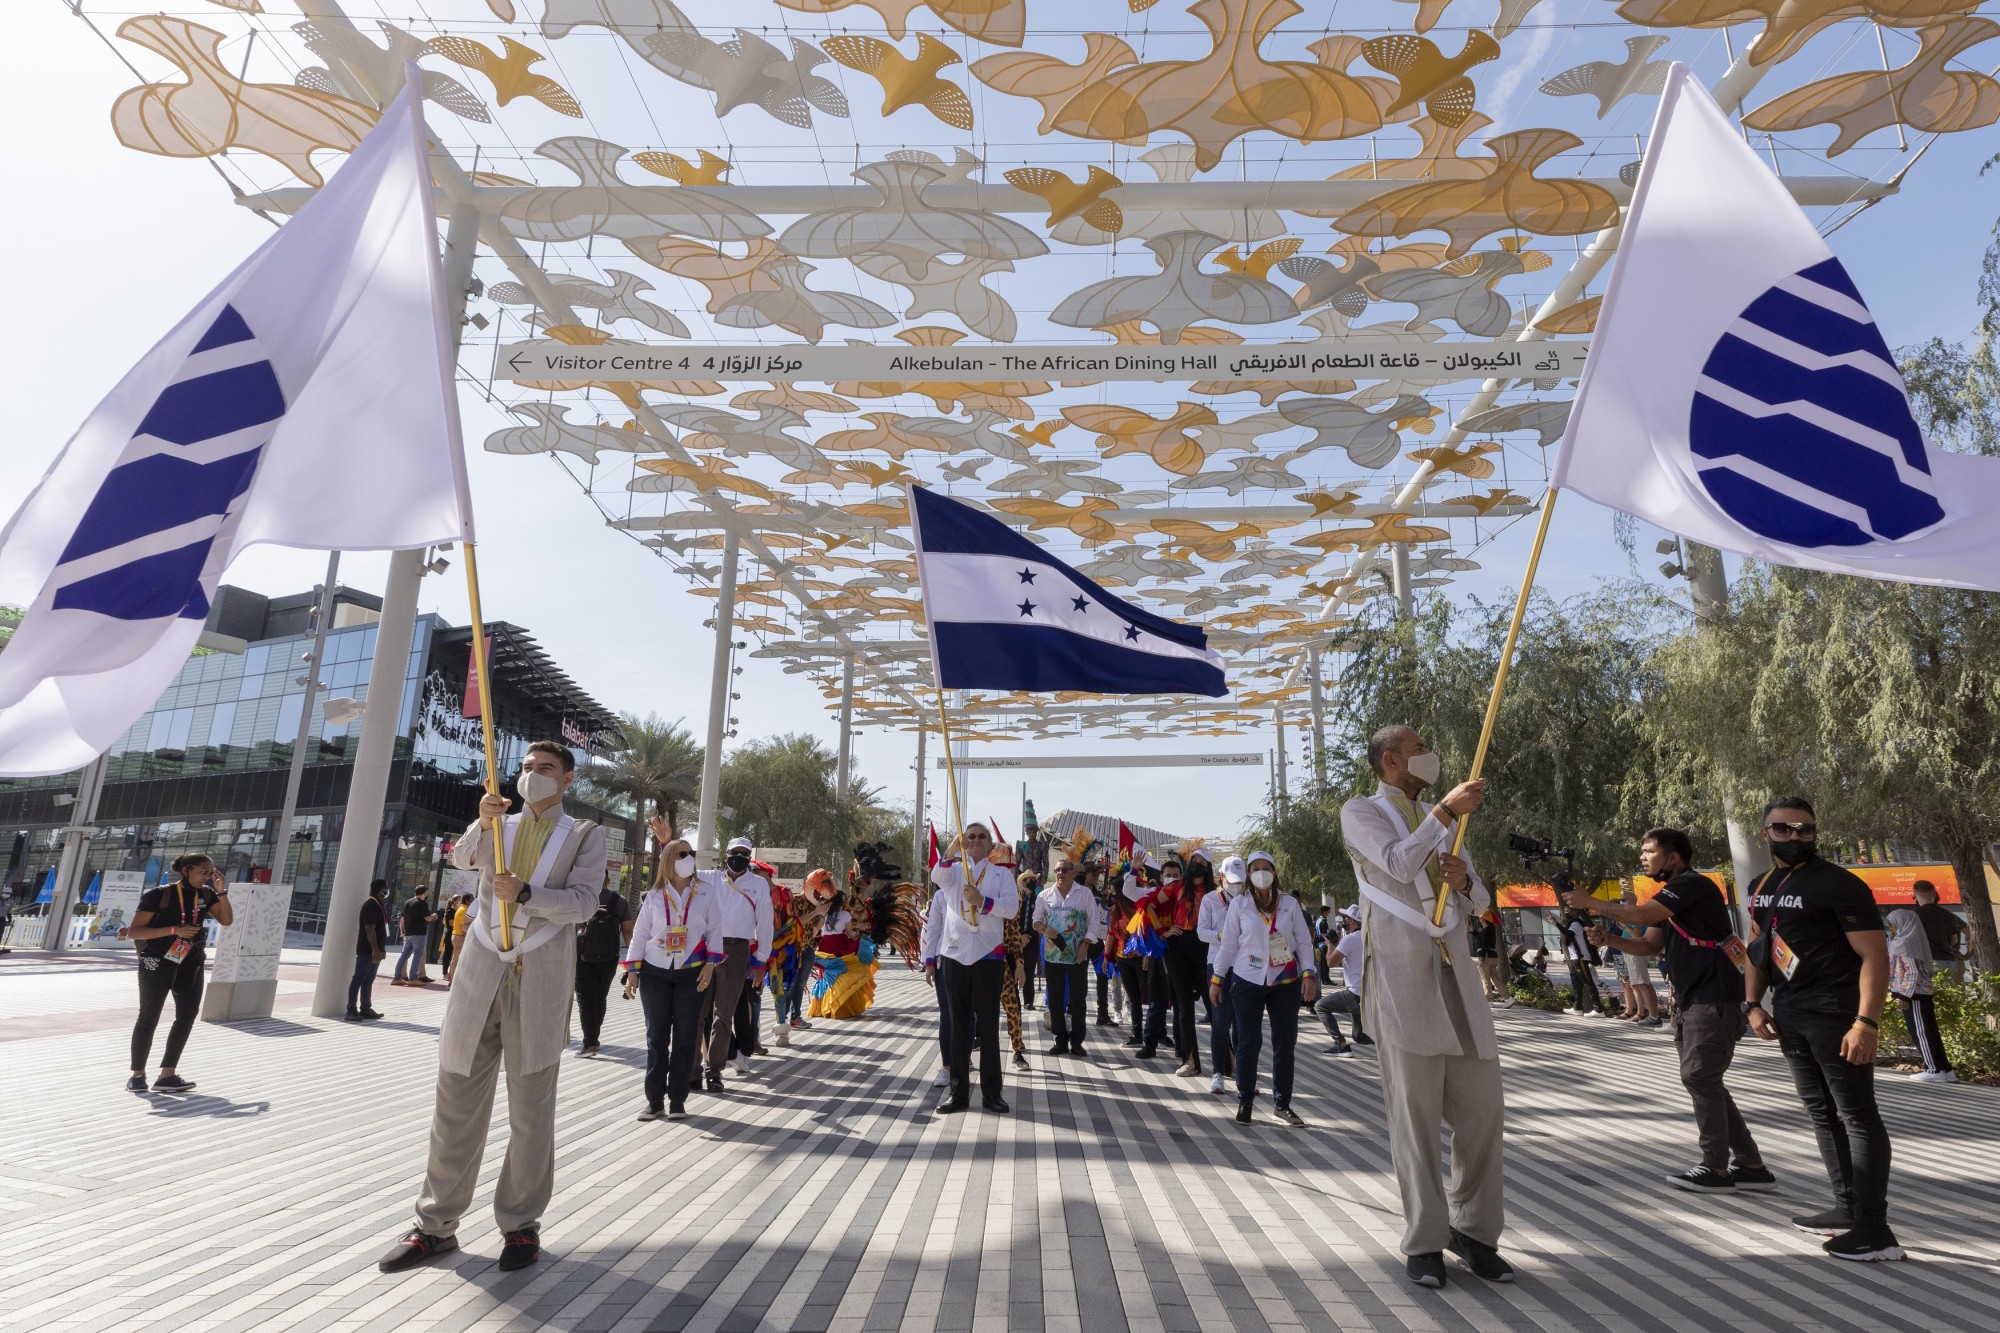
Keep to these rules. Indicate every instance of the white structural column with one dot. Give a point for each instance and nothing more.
(718, 700)
(1399, 579)
(1746, 851)
(1318, 719)
(75, 860)
(1281, 792)
(846, 725)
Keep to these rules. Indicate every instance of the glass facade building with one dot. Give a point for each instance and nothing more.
(206, 768)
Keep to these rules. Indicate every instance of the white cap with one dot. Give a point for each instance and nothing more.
(743, 843)
(1233, 870)
(1350, 913)
(1265, 856)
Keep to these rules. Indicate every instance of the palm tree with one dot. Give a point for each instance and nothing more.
(781, 792)
(659, 767)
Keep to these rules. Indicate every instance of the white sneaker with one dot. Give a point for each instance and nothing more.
(743, 1065)
(1508, 1003)
(784, 1035)
(943, 1079)
(1215, 1084)
(1936, 1076)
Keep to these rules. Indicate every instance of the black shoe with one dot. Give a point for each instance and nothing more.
(652, 1113)
(1060, 1048)
(136, 1083)
(1426, 1270)
(172, 1083)
(1243, 1113)
(1363, 1039)
(1868, 1243)
(522, 1248)
(369, 1013)
(1832, 1222)
(1701, 1180)
(677, 1112)
(1132, 1042)
(1020, 1062)
(1286, 1115)
(997, 1105)
(351, 1016)
(1756, 1179)
(1149, 1053)
(1484, 1261)
(952, 1106)
(1076, 1049)
(714, 1084)
(1342, 1049)
(588, 1053)
(1104, 1020)
(416, 1248)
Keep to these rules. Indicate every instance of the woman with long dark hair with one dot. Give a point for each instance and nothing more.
(168, 926)
(1186, 957)
(1265, 948)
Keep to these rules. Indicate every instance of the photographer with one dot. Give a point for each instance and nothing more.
(1581, 955)
(1686, 925)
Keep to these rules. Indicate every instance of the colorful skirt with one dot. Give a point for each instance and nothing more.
(840, 987)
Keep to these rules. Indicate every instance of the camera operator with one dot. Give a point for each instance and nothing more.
(1686, 925)
(1578, 951)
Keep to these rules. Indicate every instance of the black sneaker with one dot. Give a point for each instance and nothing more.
(1756, 1179)
(1060, 1048)
(416, 1248)
(1701, 1180)
(714, 1084)
(1286, 1115)
(1868, 1243)
(522, 1248)
(1020, 1062)
(1149, 1052)
(351, 1016)
(172, 1083)
(1363, 1039)
(1104, 1020)
(677, 1112)
(1483, 1259)
(1342, 1049)
(1243, 1113)
(369, 1013)
(136, 1083)
(1426, 1270)
(1133, 1042)
(1832, 1222)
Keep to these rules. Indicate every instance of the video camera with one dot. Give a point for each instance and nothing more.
(1534, 851)
(872, 858)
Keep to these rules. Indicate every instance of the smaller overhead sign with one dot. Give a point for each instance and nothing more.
(782, 856)
(1112, 761)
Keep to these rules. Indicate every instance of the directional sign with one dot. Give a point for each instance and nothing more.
(782, 856)
(1114, 761)
(540, 360)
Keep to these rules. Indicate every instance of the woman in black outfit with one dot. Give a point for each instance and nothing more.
(1187, 961)
(167, 927)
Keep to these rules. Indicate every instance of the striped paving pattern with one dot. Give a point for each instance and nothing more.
(822, 1194)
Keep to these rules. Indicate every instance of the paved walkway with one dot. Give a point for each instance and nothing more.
(821, 1193)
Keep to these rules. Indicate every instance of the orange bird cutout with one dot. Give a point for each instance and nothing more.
(1425, 74)
(708, 171)
(509, 73)
(1072, 199)
(1470, 461)
(907, 81)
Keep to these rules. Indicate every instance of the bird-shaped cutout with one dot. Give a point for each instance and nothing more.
(1329, 502)
(1131, 563)
(1083, 518)
(554, 432)
(384, 64)
(1378, 531)
(1056, 477)
(1789, 24)
(1469, 461)
(706, 474)
(613, 301)
(1180, 294)
(1042, 432)
(215, 110)
(906, 80)
(1370, 438)
(509, 71)
(964, 471)
(1327, 284)
(1279, 562)
(1461, 290)
(1611, 83)
(1170, 442)
(997, 22)
(1072, 199)
(1248, 472)
(1508, 195)
(878, 475)
(1577, 317)
(1922, 94)
(1490, 501)
(1047, 80)
(1203, 541)
(1257, 263)
(1437, 158)
(1545, 419)
(708, 170)
(1425, 74)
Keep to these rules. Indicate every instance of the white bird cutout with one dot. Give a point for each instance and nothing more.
(1611, 84)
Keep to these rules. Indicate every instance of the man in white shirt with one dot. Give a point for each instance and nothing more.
(1221, 1017)
(1346, 953)
(1439, 1059)
(744, 904)
(1069, 921)
(975, 898)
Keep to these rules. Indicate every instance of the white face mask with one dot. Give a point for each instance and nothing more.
(1424, 767)
(1263, 879)
(538, 787)
(684, 866)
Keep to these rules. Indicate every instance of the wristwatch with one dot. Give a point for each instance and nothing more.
(1748, 1005)
(522, 897)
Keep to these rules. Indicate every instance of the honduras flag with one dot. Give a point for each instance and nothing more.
(1005, 615)
(307, 402)
(1738, 392)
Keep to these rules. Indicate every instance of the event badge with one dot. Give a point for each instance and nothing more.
(180, 950)
(677, 939)
(1281, 950)
(1738, 954)
(1782, 956)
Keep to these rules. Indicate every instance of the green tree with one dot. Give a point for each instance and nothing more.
(658, 769)
(781, 790)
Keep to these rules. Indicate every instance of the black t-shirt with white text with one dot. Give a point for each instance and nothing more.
(371, 915)
(176, 904)
(1810, 908)
(1699, 969)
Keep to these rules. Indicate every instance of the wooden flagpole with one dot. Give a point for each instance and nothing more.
(1499, 687)
(483, 672)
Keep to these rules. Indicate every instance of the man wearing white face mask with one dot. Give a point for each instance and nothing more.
(1439, 1058)
(509, 1006)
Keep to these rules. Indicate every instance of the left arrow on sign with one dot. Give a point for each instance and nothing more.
(514, 363)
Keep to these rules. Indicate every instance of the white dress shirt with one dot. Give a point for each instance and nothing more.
(985, 935)
(1078, 899)
(744, 903)
(1349, 946)
(1248, 940)
(663, 909)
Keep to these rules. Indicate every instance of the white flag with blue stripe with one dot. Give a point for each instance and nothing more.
(307, 402)
(1739, 393)
(1006, 615)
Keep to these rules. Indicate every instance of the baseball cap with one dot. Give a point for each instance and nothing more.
(741, 843)
(1234, 870)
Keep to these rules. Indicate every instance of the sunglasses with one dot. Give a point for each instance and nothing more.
(1793, 830)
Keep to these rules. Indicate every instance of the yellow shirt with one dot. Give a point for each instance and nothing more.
(459, 921)
(530, 837)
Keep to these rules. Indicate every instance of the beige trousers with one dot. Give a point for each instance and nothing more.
(1493, 975)
(463, 1117)
(1422, 1094)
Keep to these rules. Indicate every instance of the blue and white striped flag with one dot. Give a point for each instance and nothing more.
(1006, 615)
(1739, 393)
(307, 402)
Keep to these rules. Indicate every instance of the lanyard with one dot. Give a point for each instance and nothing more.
(181, 892)
(667, 903)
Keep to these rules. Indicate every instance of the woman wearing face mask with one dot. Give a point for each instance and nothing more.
(1266, 947)
(1221, 1012)
(676, 942)
(1186, 961)
(167, 927)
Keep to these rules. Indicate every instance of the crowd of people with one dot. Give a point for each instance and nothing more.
(1183, 955)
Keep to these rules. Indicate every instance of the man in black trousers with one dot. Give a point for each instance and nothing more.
(974, 900)
(600, 943)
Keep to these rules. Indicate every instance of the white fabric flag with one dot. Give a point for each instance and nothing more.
(1738, 392)
(307, 402)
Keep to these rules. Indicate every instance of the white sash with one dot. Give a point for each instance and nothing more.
(1396, 907)
(483, 930)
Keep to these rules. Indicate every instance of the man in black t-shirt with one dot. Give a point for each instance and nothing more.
(1945, 933)
(1687, 927)
(370, 947)
(1819, 947)
(600, 943)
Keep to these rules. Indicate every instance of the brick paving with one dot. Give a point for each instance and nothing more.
(822, 1194)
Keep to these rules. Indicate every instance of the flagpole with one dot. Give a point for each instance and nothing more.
(1499, 687)
(482, 671)
(951, 774)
